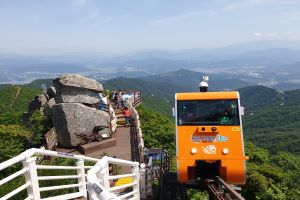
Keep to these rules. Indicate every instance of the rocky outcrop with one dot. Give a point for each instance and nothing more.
(75, 80)
(73, 114)
(77, 89)
(66, 94)
(71, 103)
(73, 119)
(48, 106)
(42, 98)
(37, 103)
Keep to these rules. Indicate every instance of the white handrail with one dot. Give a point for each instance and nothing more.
(12, 161)
(127, 194)
(120, 176)
(122, 186)
(16, 191)
(42, 178)
(98, 178)
(13, 176)
(30, 168)
(56, 167)
(58, 187)
(100, 174)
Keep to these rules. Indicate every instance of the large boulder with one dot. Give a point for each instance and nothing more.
(47, 107)
(74, 119)
(66, 94)
(75, 80)
(72, 88)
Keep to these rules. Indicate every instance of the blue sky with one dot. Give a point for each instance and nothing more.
(57, 26)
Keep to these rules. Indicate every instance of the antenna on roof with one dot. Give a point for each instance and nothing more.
(203, 85)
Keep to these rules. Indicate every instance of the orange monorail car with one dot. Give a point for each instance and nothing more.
(209, 137)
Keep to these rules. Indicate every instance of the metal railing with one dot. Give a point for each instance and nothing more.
(136, 99)
(137, 131)
(30, 172)
(100, 183)
(32, 179)
(147, 179)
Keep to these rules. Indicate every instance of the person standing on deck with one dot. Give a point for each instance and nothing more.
(101, 105)
(120, 100)
(127, 115)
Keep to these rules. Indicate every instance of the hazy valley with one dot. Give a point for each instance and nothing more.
(270, 63)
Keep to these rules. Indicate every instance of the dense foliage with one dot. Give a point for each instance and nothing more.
(158, 130)
(13, 141)
(271, 176)
(16, 98)
(272, 118)
(14, 136)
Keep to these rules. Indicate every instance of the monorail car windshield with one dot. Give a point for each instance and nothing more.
(207, 112)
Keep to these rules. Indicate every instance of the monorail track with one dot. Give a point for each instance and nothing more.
(217, 188)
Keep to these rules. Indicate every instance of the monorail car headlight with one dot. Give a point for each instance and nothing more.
(194, 150)
(225, 151)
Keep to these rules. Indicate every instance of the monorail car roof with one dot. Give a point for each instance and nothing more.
(207, 95)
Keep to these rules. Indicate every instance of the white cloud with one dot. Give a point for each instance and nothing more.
(257, 34)
(272, 34)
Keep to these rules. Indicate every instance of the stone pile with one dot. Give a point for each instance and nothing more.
(74, 113)
(72, 102)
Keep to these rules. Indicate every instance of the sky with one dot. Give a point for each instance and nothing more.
(114, 26)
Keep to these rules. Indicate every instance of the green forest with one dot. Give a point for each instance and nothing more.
(271, 127)
(272, 118)
(15, 137)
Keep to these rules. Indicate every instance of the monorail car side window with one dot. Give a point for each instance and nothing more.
(207, 112)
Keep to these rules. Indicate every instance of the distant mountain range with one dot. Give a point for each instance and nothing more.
(165, 85)
(267, 62)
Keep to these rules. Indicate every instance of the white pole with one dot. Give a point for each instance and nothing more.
(104, 173)
(143, 181)
(81, 179)
(136, 171)
(31, 177)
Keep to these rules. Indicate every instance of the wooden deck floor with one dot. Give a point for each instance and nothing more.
(122, 149)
